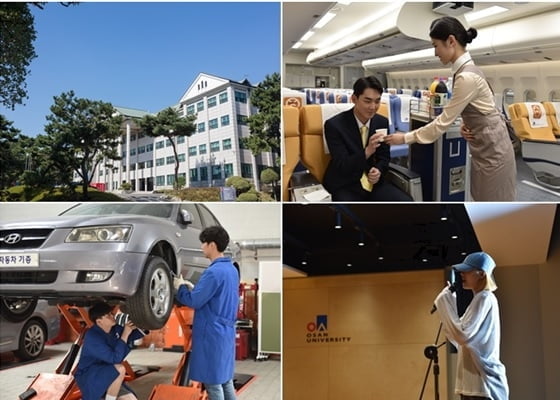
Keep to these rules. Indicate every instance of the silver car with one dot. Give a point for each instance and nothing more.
(121, 252)
(27, 338)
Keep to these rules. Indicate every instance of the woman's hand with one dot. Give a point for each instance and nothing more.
(394, 138)
(466, 133)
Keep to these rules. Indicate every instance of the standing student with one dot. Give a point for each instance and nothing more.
(476, 334)
(215, 299)
(493, 170)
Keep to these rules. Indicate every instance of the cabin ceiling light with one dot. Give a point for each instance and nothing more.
(307, 36)
(338, 223)
(325, 19)
(476, 15)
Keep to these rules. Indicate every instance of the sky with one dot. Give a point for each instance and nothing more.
(143, 55)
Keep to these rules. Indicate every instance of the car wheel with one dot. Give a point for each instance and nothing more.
(151, 305)
(31, 340)
(17, 310)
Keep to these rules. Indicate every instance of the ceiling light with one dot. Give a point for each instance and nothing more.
(324, 20)
(304, 262)
(475, 15)
(338, 223)
(361, 240)
(454, 237)
(349, 265)
(307, 36)
(297, 45)
(380, 258)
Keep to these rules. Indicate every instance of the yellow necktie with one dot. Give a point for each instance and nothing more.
(363, 180)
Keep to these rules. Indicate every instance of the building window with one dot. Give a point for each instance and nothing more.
(141, 149)
(149, 164)
(141, 135)
(194, 174)
(192, 151)
(214, 146)
(246, 170)
(132, 138)
(241, 119)
(132, 167)
(180, 139)
(160, 144)
(216, 172)
(160, 180)
(182, 157)
(170, 160)
(240, 97)
(141, 165)
(167, 142)
(202, 149)
(150, 147)
(190, 109)
(242, 144)
(223, 98)
(200, 127)
(170, 179)
(212, 102)
(132, 152)
(160, 162)
(228, 170)
(213, 123)
(200, 106)
(225, 120)
(226, 144)
(204, 173)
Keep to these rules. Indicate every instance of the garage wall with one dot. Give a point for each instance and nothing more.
(378, 326)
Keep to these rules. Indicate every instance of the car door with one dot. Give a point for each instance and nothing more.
(191, 259)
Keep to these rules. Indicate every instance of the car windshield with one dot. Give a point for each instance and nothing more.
(156, 210)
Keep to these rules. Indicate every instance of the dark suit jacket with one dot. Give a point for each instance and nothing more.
(348, 161)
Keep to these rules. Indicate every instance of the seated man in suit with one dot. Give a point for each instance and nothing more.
(359, 158)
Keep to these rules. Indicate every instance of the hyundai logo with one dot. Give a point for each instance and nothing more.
(12, 238)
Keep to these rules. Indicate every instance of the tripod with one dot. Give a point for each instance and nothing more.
(431, 352)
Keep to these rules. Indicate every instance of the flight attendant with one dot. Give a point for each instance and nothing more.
(493, 170)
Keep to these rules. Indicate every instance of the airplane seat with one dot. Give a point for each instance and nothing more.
(553, 114)
(400, 116)
(539, 147)
(291, 153)
(315, 154)
(293, 98)
(531, 122)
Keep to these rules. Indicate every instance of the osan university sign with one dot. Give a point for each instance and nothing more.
(318, 332)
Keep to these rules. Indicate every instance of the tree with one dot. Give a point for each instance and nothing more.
(270, 176)
(10, 167)
(82, 133)
(265, 124)
(168, 123)
(17, 34)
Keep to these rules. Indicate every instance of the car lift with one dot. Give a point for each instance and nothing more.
(61, 385)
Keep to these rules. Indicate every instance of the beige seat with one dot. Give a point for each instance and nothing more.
(553, 115)
(539, 147)
(530, 121)
(291, 151)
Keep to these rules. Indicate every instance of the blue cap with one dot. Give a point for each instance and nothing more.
(480, 260)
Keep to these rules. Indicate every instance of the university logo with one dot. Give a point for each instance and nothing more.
(320, 325)
(317, 332)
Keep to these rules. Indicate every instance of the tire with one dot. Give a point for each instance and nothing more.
(31, 340)
(151, 305)
(15, 309)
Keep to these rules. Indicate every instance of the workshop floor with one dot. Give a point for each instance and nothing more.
(15, 378)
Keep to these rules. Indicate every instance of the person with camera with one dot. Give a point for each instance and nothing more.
(100, 372)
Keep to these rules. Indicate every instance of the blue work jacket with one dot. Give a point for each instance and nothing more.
(215, 299)
(100, 352)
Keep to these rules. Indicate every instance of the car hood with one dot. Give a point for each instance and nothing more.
(71, 221)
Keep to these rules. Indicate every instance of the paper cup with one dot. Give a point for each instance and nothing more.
(382, 131)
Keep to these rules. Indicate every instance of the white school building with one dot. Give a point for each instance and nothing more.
(207, 158)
